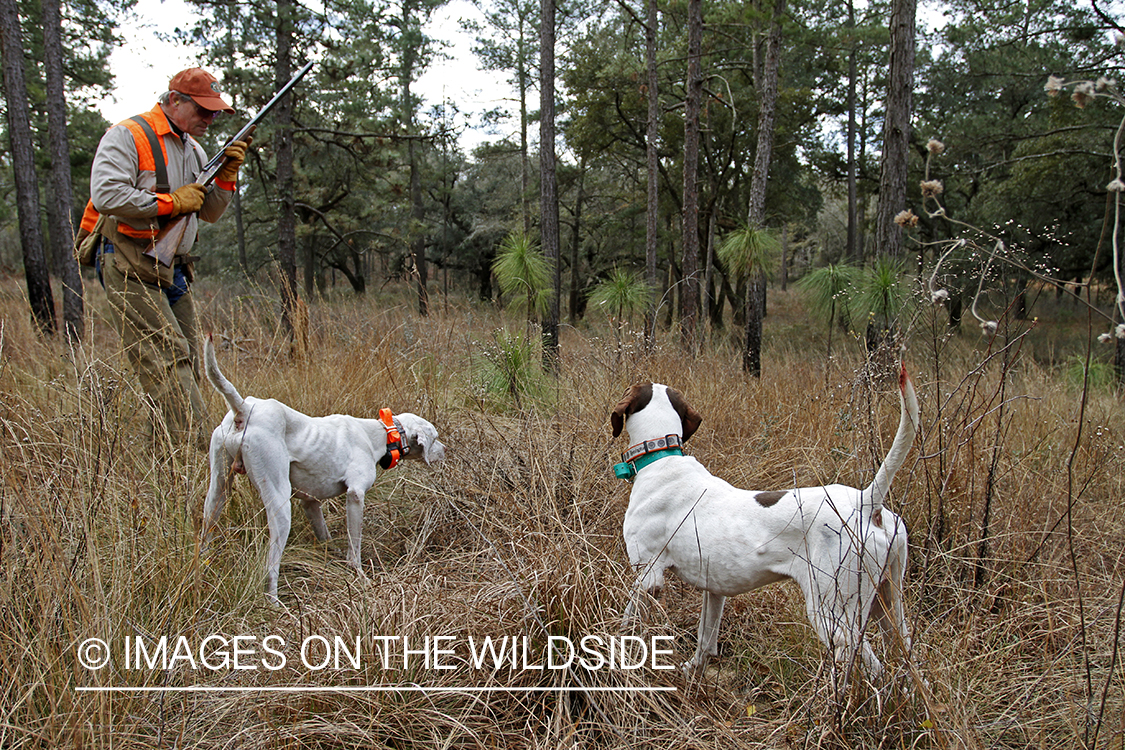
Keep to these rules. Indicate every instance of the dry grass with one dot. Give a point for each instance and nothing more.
(518, 534)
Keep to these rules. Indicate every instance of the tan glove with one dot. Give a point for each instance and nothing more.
(187, 199)
(234, 154)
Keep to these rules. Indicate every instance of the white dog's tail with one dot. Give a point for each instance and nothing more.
(874, 495)
(215, 375)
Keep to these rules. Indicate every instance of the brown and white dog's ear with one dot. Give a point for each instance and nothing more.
(635, 399)
(689, 417)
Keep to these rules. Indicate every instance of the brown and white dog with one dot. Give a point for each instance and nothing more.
(284, 452)
(844, 549)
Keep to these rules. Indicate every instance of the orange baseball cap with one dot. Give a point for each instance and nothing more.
(202, 87)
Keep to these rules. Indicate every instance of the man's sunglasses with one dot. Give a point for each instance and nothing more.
(206, 114)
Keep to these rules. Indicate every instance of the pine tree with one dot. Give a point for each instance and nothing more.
(23, 166)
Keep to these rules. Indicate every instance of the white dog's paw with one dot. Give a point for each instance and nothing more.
(357, 569)
(693, 668)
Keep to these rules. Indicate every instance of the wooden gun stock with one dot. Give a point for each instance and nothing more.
(167, 241)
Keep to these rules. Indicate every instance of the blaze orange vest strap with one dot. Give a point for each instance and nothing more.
(160, 166)
(146, 158)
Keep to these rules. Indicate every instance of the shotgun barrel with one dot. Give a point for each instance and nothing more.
(211, 168)
(167, 241)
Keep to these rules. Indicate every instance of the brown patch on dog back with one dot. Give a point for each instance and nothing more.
(767, 499)
(635, 399)
(689, 417)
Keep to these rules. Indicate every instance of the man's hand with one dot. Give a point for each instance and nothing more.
(188, 199)
(234, 154)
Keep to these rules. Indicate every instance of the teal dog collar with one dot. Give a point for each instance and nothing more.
(643, 454)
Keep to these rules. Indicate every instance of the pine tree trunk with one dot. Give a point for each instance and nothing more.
(896, 129)
(62, 231)
(652, 152)
(287, 213)
(576, 246)
(232, 14)
(310, 266)
(854, 252)
(767, 111)
(689, 306)
(525, 151)
(417, 207)
(417, 216)
(755, 214)
(23, 170)
(752, 356)
(707, 301)
(240, 233)
(548, 184)
(784, 256)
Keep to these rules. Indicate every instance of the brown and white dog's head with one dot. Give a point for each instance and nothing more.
(652, 410)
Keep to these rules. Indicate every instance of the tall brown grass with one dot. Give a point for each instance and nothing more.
(1016, 615)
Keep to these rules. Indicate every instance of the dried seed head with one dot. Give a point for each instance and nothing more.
(1104, 84)
(1105, 338)
(988, 327)
(938, 296)
(932, 188)
(906, 219)
(1116, 186)
(934, 146)
(1083, 94)
(1054, 85)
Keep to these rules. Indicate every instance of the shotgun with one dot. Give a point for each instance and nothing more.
(168, 239)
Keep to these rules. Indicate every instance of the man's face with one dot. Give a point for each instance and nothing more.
(189, 116)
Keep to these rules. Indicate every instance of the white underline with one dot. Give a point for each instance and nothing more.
(368, 689)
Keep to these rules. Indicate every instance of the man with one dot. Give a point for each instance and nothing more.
(152, 303)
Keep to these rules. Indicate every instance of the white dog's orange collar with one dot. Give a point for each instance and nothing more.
(396, 448)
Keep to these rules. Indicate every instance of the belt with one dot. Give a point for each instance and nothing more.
(179, 260)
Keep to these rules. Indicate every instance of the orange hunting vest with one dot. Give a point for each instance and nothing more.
(144, 135)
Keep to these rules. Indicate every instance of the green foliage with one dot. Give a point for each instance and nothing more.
(622, 294)
(507, 41)
(750, 251)
(882, 290)
(510, 372)
(523, 271)
(829, 291)
(1098, 376)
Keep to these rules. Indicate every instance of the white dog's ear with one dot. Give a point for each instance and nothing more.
(432, 449)
(689, 417)
(635, 399)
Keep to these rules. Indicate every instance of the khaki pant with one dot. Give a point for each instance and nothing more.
(162, 344)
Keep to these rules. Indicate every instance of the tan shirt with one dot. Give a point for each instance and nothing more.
(123, 184)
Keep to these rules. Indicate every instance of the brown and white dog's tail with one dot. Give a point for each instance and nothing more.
(876, 492)
(219, 381)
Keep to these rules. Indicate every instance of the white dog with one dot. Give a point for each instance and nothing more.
(845, 550)
(284, 452)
